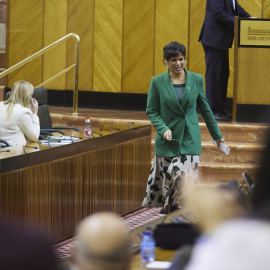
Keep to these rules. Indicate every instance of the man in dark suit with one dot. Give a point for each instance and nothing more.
(216, 37)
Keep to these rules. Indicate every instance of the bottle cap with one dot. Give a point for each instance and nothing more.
(87, 117)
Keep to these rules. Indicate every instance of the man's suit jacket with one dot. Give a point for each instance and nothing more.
(218, 27)
(165, 112)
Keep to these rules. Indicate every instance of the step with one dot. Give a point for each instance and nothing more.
(238, 132)
(239, 152)
(232, 132)
(222, 172)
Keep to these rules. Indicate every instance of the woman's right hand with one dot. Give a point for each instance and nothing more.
(167, 135)
(34, 105)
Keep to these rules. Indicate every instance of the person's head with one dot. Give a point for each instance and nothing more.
(103, 243)
(214, 204)
(20, 93)
(173, 49)
(174, 55)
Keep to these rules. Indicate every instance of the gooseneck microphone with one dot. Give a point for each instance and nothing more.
(100, 134)
(111, 129)
(5, 151)
(24, 146)
(129, 125)
(71, 138)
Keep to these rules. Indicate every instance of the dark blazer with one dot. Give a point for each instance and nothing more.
(218, 27)
(165, 112)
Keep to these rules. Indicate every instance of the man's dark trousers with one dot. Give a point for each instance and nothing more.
(216, 77)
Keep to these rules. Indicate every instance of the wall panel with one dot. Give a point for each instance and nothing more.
(55, 27)
(171, 24)
(108, 45)
(25, 37)
(195, 52)
(266, 13)
(80, 20)
(138, 53)
(121, 40)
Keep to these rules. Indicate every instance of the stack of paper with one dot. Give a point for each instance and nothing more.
(59, 140)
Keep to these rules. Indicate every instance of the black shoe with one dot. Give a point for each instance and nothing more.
(226, 113)
(220, 116)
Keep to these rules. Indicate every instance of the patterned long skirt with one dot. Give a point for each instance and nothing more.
(169, 181)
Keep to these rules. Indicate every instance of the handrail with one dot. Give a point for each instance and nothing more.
(42, 51)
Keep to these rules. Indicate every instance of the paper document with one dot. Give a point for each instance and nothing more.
(223, 147)
(59, 140)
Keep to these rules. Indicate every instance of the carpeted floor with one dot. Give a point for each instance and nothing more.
(141, 217)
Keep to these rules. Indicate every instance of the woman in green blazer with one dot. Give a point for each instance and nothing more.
(171, 107)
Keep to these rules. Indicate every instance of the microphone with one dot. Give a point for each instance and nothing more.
(5, 150)
(264, 10)
(71, 138)
(111, 129)
(100, 134)
(129, 125)
(24, 146)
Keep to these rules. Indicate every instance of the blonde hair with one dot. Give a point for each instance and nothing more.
(20, 93)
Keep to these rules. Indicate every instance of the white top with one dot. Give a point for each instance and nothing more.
(21, 124)
(235, 245)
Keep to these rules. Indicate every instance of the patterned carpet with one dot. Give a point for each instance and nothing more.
(141, 217)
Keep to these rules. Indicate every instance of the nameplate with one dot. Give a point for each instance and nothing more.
(254, 33)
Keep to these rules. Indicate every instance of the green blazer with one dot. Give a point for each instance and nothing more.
(165, 112)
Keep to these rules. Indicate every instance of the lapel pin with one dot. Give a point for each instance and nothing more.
(188, 88)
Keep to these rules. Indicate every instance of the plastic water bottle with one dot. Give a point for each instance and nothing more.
(87, 128)
(147, 249)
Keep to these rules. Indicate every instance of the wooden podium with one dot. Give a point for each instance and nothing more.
(251, 95)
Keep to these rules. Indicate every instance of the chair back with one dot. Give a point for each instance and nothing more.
(41, 95)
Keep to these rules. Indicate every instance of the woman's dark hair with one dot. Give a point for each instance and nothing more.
(173, 49)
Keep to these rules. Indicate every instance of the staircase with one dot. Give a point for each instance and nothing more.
(246, 141)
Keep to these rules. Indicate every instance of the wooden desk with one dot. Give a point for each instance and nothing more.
(53, 189)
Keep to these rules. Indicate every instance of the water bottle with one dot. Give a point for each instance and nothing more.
(87, 128)
(147, 249)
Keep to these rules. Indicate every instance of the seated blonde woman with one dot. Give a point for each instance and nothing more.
(18, 114)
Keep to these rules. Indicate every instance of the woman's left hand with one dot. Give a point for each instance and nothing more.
(34, 105)
(219, 141)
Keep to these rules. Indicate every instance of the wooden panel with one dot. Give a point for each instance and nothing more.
(254, 9)
(55, 27)
(138, 54)
(253, 76)
(171, 25)
(25, 37)
(56, 195)
(196, 53)
(266, 13)
(108, 45)
(80, 20)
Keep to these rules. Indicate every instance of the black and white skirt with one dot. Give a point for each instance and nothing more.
(170, 179)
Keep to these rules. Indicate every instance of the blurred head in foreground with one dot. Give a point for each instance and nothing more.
(214, 204)
(103, 243)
